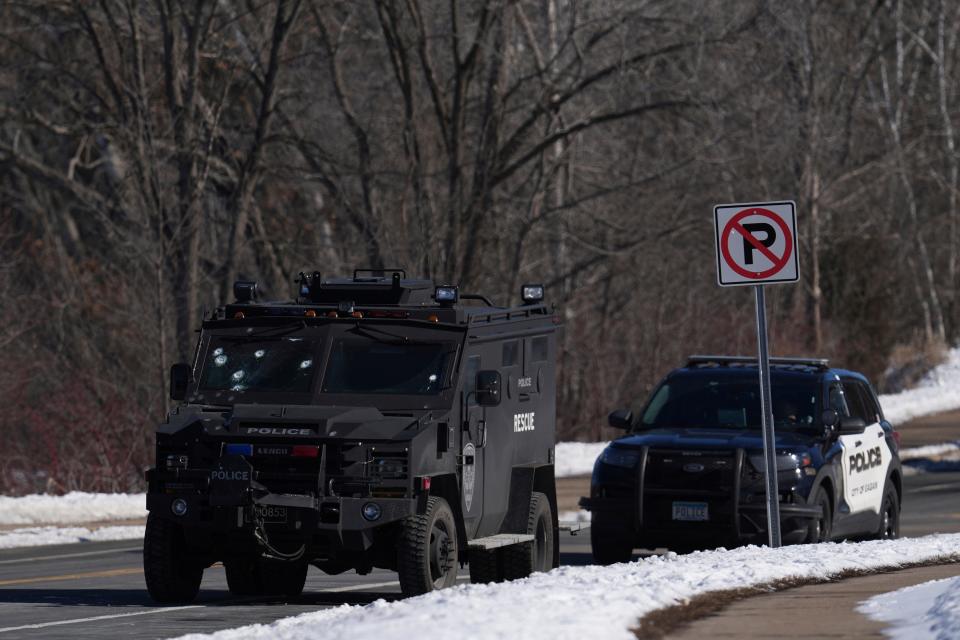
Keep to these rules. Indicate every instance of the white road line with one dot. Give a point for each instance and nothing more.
(44, 625)
(71, 555)
(932, 487)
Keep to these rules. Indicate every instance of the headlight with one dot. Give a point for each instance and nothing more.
(785, 462)
(620, 457)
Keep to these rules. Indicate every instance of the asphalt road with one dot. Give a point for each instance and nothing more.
(96, 590)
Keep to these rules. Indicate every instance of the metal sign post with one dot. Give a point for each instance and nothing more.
(766, 413)
(757, 244)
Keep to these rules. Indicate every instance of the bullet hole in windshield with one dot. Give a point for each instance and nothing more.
(238, 375)
(259, 353)
(432, 378)
(220, 360)
(218, 351)
(306, 364)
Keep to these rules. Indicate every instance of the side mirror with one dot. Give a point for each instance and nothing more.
(852, 425)
(179, 379)
(488, 388)
(621, 419)
(830, 418)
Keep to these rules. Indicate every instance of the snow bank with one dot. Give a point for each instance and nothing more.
(928, 611)
(41, 536)
(72, 508)
(591, 601)
(947, 450)
(937, 392)
(576, 458)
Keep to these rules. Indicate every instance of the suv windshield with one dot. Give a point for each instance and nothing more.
(731, 402)
(366, 366)
(282, 364)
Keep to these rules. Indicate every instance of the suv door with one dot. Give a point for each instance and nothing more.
(866, 456)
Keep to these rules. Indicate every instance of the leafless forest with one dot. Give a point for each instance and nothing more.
(153, 150)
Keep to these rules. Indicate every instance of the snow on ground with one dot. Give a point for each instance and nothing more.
(41, 536)
(576, 458)
(937, 392)
(947, 450)
(928, 611)
(592, 601)
(72, 508)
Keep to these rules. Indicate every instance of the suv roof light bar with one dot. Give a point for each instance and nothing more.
(699, 361)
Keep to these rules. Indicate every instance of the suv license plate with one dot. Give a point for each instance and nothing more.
(271, 513)
(691, 511)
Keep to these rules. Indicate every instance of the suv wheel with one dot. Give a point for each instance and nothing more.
(889, 515)
(256, 576)
(820, 528)
(170, 574)
(520, 560)
(427, 550)
(610, 541)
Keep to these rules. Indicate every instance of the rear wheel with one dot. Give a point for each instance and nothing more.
(520, 560)
(427, 550)
(256, 576)
(820, 528)
(889, 515)
(171, 576)
(610, 541)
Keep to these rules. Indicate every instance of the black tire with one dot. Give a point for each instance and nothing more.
(172, 578)
(610, 541)
(820, 529)
(520, 560)
(486, 566)
(255, 576)
(427, 551)
(889, 515)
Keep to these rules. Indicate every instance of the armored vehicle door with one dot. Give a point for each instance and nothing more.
(865, 456)
(471, 449)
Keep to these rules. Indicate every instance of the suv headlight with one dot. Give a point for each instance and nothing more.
(785, 461)
(626, 458)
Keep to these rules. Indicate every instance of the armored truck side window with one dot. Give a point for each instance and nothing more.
(511, 353)
(538, 349)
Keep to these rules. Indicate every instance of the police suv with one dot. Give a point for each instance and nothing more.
(689, 472)
(375, 421)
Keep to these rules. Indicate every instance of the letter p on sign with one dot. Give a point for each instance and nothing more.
(756, 243)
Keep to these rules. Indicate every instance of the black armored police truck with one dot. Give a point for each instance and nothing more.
(375, 421)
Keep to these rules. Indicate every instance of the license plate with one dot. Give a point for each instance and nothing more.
(271, 513)
(690, 511)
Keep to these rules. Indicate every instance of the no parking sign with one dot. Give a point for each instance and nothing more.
(756, 243)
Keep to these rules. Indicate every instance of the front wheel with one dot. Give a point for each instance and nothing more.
(889, 515)
(427, 552)
(172, 576)
(610, 541)
(820, 528)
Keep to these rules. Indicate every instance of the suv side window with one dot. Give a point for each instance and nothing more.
(869, 403)
(855, 401)
(838, 401)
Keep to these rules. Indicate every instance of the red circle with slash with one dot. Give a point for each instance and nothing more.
(734, 225)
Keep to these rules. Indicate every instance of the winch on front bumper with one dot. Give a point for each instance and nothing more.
(697, 497)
